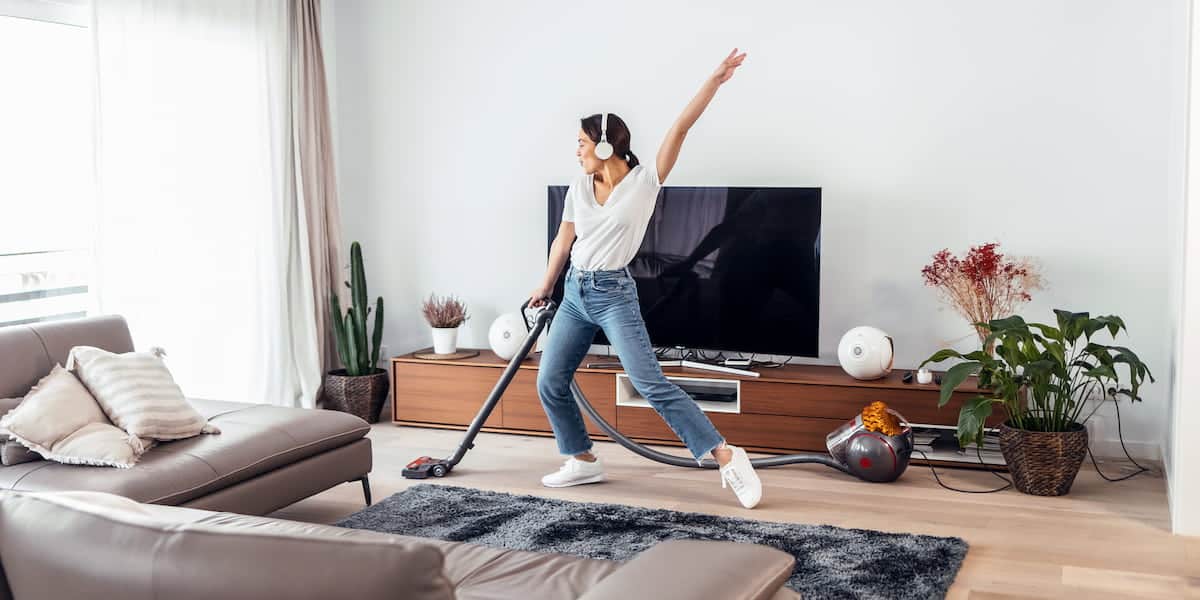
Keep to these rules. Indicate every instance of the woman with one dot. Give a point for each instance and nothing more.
(605, 217)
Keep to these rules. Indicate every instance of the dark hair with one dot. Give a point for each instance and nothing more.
(618, 136)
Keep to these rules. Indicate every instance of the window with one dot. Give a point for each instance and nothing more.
(47, 198)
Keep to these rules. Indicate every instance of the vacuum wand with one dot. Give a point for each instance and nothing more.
(425, 466)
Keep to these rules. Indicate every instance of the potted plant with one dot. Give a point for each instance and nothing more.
(444, 315)
(1042, 377)
(361, 387)
(984, 284)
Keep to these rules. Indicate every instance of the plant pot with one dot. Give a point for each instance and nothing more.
(445, 340)
(362, 395)
(1043, 463)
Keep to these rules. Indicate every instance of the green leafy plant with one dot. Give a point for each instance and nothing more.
(1041, 376)
(350, 328)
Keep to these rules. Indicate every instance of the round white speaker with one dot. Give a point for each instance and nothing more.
(866, 353)
(506, 335)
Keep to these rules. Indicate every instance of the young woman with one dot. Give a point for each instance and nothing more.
(605, 217)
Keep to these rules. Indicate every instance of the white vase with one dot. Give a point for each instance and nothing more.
(445, 340)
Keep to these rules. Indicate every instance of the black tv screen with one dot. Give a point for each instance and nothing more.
(726, 268)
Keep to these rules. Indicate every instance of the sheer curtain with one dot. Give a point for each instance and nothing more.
(202, 242)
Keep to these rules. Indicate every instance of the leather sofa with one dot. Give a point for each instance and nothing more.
(63, 545)
(265, 458)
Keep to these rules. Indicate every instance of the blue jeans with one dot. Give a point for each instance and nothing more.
(608, 300)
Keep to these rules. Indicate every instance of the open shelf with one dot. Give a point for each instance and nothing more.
(712, 395)
(950, 452)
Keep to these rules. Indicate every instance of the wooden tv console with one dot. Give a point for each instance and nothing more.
(787, 409)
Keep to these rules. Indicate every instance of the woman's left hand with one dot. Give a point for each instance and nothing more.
(725, 69)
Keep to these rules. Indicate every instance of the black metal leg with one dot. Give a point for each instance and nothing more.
(366, 483)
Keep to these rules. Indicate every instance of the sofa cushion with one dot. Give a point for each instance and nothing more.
(13, 453)
(7, 404)
(109, 332)
(485, 573)
(24, 363)
(137, 392)
(255, 439)
(60, 420)
(62, 546)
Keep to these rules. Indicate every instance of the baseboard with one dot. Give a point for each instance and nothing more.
(1111, 448)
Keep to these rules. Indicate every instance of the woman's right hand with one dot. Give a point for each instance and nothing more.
(539, 296)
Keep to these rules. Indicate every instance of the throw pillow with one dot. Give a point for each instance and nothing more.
(60, 420)
(138, 393)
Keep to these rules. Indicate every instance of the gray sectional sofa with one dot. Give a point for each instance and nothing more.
(265, 458)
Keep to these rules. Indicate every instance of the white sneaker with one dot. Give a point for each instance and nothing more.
(739, 474)
(575, 472)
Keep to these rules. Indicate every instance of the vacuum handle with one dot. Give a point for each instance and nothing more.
(550, 306)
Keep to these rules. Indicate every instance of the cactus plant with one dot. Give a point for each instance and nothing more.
(350, 328)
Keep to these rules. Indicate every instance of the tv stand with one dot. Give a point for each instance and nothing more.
(783, 410)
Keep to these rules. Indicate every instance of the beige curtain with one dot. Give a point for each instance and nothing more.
(316, 183)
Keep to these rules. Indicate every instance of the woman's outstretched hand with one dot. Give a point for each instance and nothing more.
(726, 68)
(668, 152)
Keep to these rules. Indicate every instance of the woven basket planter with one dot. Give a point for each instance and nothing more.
(362, 396)
(1043, 463)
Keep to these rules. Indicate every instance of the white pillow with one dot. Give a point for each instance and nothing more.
(60, 420)
(138, 393)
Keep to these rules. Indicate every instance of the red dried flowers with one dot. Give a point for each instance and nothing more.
(983, 285)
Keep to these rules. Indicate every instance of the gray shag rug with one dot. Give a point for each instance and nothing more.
(831, 562)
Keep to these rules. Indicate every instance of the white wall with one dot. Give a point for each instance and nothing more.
(1051, 126)
(1183, 447)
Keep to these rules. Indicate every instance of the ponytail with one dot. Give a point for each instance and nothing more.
(631, 159)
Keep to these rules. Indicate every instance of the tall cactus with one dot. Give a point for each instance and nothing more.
(350, 328)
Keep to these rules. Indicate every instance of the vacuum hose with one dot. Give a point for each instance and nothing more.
(680, 461)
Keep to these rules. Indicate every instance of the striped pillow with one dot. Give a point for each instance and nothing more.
(137, 393)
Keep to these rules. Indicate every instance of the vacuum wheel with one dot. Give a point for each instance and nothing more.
(438, 470)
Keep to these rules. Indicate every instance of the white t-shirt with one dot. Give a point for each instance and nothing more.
(608, 237)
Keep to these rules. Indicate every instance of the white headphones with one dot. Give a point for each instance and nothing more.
(604, 150)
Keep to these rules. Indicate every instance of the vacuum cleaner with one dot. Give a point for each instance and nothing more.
(874, 446)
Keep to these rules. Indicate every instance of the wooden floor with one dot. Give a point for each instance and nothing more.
(1104, 540)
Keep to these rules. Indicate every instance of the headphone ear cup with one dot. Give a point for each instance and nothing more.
(604, 151)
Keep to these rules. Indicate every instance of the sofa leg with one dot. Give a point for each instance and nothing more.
(366, 484)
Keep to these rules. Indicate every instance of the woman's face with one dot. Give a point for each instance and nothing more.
(586, 153)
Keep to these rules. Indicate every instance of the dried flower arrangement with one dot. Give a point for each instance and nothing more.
(444, 312)
(983, 285)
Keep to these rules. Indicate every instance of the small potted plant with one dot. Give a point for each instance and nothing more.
(1042, 377)
(984, 284)
(444, 315)
(361, 387)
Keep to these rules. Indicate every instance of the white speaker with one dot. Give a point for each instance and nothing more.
(866, 353)
(506, 335)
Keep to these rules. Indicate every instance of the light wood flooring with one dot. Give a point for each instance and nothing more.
(1104, 540)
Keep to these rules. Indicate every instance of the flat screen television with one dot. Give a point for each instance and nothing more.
(726, 268)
